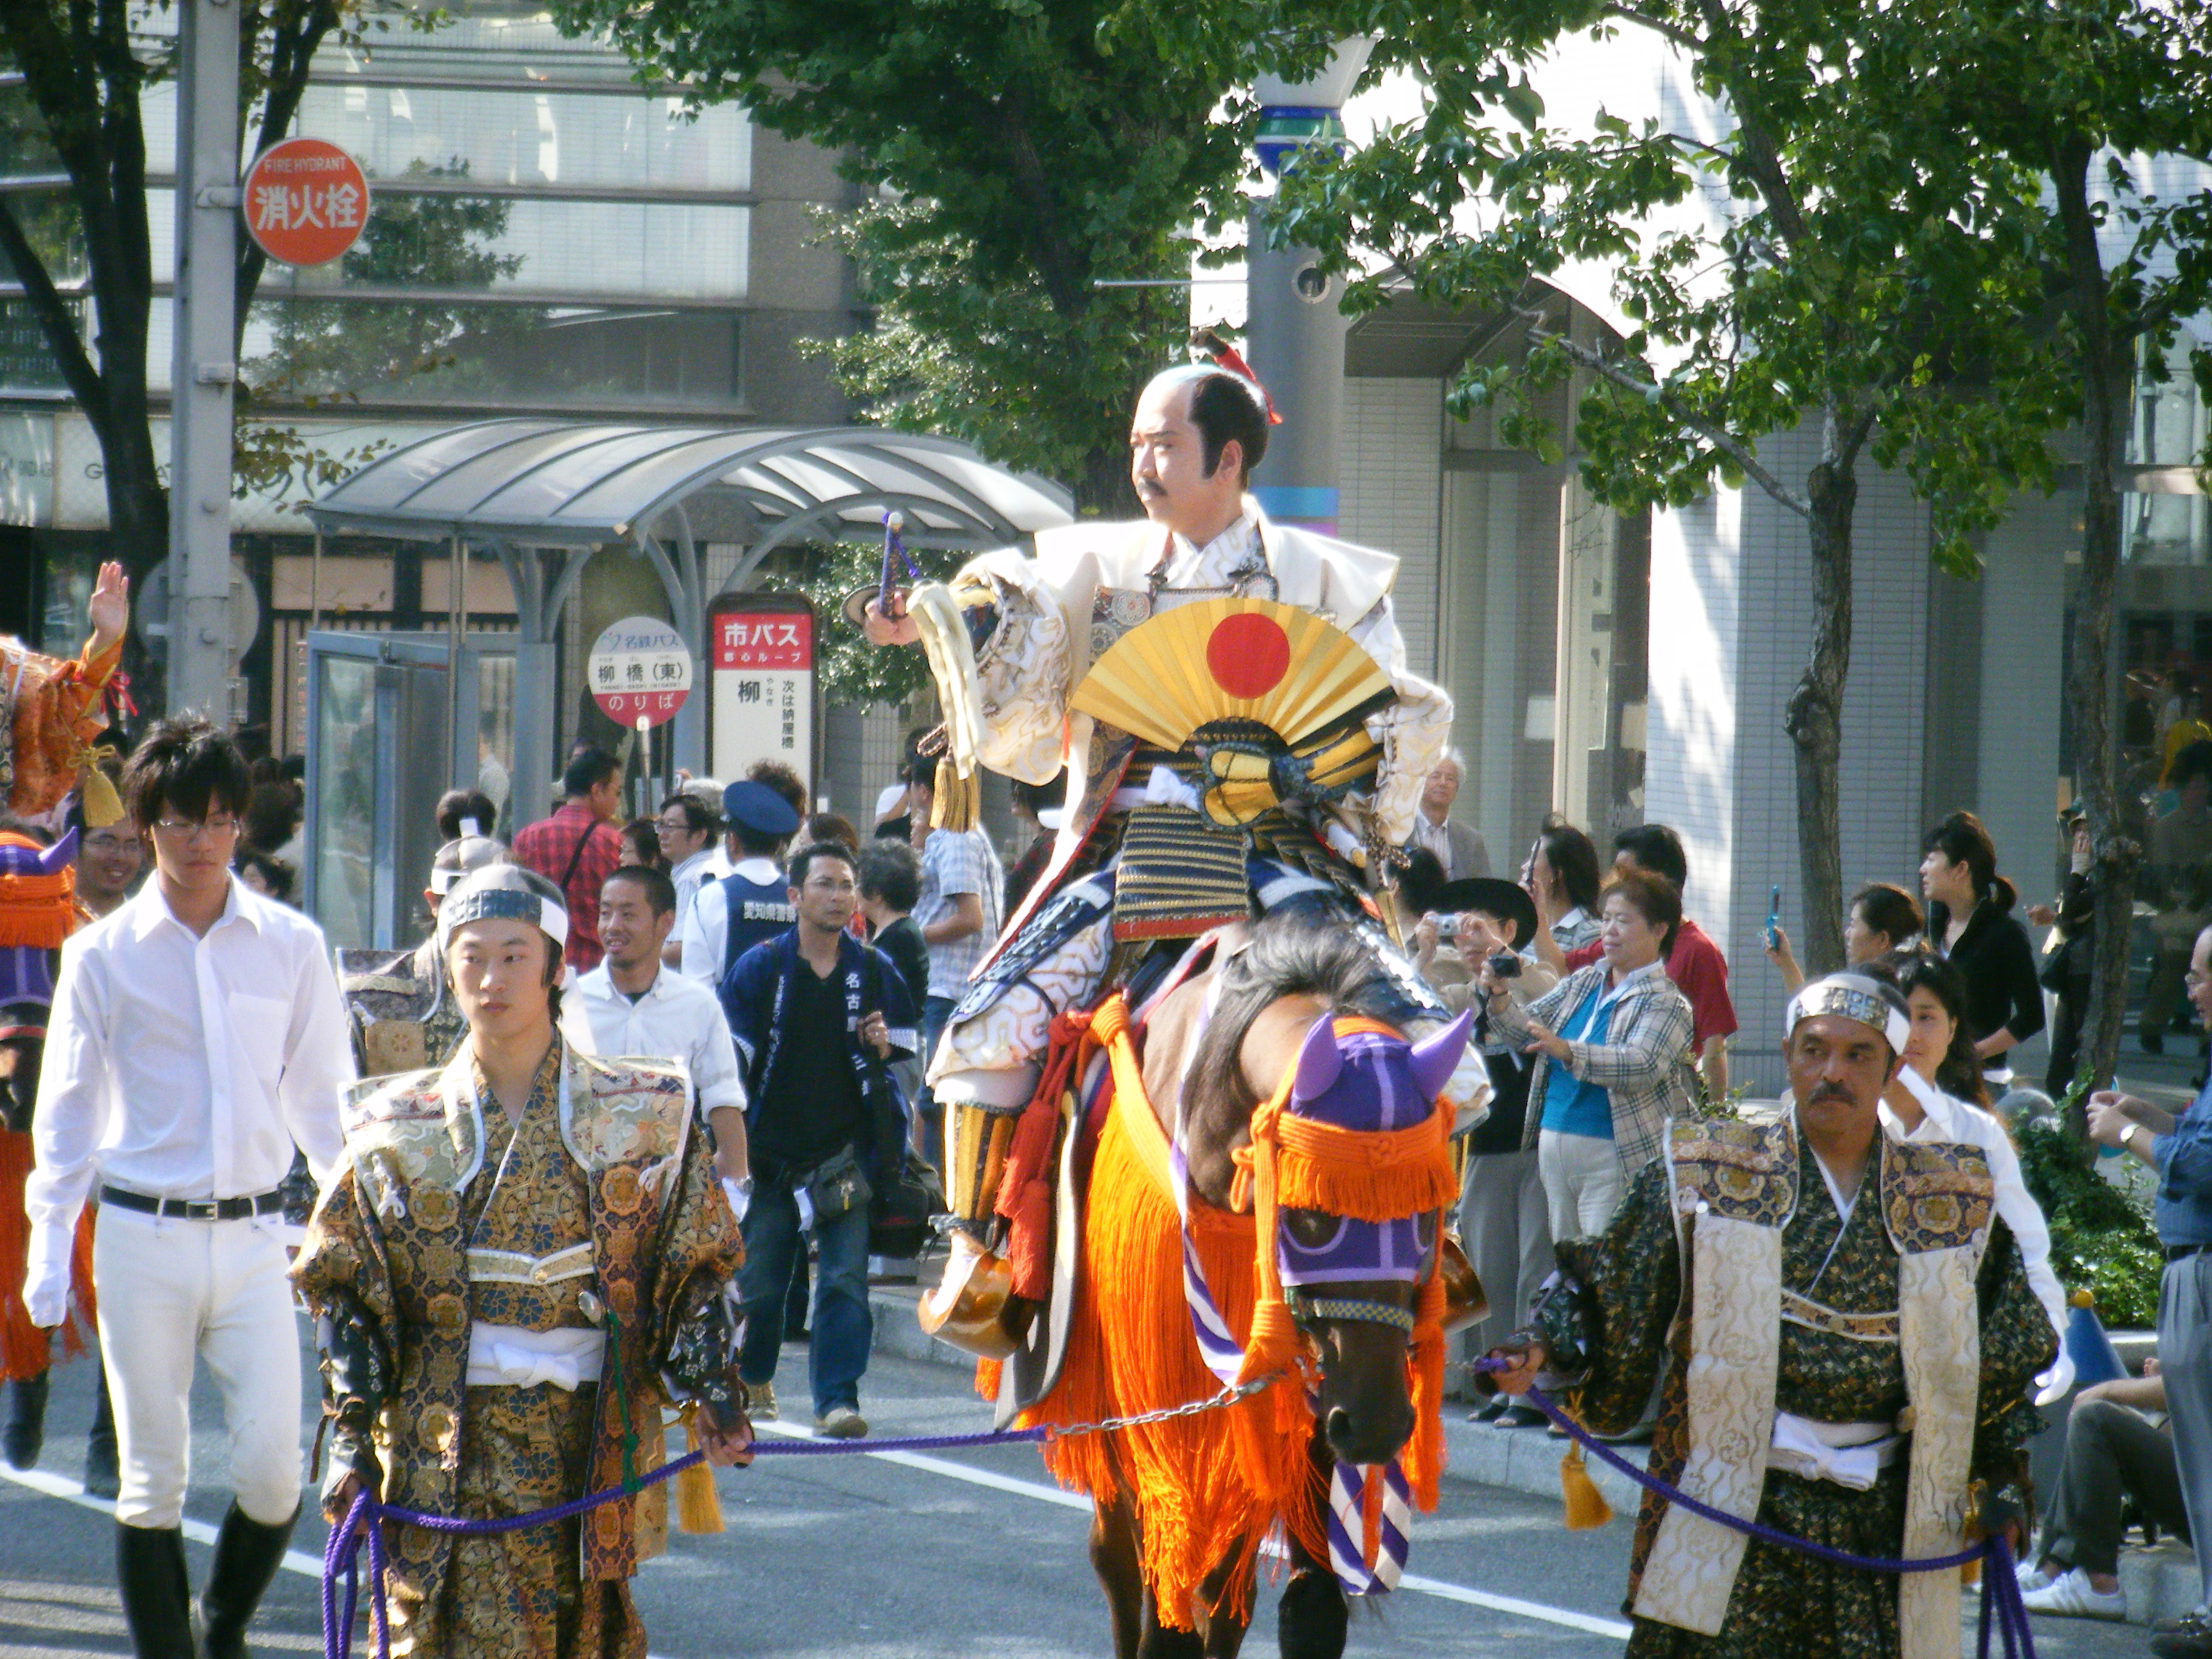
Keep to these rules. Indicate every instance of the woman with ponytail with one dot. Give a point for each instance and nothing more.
(1971, 925)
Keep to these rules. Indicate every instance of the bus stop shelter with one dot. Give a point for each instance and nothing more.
(543, 496)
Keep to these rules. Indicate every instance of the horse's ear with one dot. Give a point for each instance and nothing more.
(1318, 1060)
(1435, 1058)
(53, 860)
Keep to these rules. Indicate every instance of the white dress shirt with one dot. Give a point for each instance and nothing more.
(183, 1066)
(1947, 1118)
(688, 876)
(706, 927)
(678, 1019)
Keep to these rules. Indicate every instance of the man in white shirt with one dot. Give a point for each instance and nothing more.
(690, 823)
(633, 1004)
(195, 1035)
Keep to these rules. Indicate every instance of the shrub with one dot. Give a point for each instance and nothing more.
(2101, 1241)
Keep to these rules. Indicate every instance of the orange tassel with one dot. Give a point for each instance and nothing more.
(698, 1506)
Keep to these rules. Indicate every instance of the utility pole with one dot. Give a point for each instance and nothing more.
(1294, 328)
(204, 368)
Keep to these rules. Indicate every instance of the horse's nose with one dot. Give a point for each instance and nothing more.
(1373, 1436)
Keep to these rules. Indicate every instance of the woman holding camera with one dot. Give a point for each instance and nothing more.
(1610, 1043)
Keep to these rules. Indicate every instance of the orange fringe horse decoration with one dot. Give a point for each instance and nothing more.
(1210, 1487)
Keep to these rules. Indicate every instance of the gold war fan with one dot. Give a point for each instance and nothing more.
(1229, 659)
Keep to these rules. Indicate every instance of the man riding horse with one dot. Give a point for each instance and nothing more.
(1148, 853)
(1243, 746)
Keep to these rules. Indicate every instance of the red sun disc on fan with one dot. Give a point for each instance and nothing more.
(1248, 655)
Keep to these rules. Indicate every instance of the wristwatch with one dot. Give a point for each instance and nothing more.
(2128, 1137)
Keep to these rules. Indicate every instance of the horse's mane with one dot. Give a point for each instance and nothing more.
(1302, 946)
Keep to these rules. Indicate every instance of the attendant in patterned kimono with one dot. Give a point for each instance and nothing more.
(399, 1005)
(524, 1257)
(1853, 1344)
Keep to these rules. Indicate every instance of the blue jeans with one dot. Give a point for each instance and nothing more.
(844, 1328)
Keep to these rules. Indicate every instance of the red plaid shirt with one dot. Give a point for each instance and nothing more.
(548, 846)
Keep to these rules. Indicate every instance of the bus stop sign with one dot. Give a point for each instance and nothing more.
(640, 672)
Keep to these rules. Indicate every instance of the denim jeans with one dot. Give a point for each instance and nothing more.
(844, 1328)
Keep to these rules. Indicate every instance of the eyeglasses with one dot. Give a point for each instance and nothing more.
(216, 826)
(109, 842)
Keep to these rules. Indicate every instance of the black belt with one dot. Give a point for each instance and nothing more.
(195, 1209)
(2183, 1252)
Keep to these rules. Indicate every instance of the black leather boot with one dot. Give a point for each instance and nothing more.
(24, 1432)
(103, 1476)
(157, 1590)
(247, 1556)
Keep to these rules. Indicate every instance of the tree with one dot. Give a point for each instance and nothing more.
(1019, 152)
(85, 66)
(1851, 280)
(2074, 93)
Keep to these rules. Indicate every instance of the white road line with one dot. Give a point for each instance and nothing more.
(1512, 1605)
(73, 1491)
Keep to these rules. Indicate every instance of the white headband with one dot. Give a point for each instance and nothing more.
(493, 895)
(1850, 996)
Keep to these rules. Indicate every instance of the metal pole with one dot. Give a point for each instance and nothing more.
(1294, 328)
(461, 747)
(203, 369)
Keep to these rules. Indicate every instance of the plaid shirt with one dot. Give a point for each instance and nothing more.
(1643, 1064)
(953, 862)
(548, 846)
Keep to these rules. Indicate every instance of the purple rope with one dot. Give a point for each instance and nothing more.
(366, 1518)
(2000, 1585)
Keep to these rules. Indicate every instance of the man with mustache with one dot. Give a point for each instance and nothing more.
(1854, 1345)
(1037, 625)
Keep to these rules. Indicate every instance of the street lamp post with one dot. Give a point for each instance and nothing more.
(203, 365)
(1294, 328)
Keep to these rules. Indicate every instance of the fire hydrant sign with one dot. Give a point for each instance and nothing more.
(640, 671)
(305, 201)
(762, 648)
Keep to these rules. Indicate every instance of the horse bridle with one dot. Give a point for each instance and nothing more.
(1316, 1309)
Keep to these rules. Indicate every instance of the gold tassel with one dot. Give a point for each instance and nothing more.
(102, 806)
(1586, 1506)
(698, 1507)
(959, 800)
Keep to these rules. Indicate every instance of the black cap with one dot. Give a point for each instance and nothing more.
(757, 808)
(1505, 899)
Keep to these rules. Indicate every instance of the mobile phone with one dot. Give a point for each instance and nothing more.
(1773, 917)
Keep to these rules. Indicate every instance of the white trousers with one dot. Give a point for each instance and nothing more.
(172, 1291)
(1582, 1181)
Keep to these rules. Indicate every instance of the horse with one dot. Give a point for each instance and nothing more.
(1297, 1020)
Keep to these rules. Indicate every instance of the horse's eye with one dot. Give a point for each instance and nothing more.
(1312, 1230)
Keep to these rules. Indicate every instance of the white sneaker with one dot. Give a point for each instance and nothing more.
(2031, 1574)
(842, 1422)
(2071, 1595)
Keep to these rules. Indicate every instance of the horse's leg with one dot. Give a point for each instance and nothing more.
(1114, 1558)
(1227, 1586)
(1313, 1618)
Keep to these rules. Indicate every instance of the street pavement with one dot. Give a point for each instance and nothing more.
(969, 1555)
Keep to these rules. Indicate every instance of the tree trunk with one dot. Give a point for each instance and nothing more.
(1103, 490)
(1814, 721)
(2107, 389)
